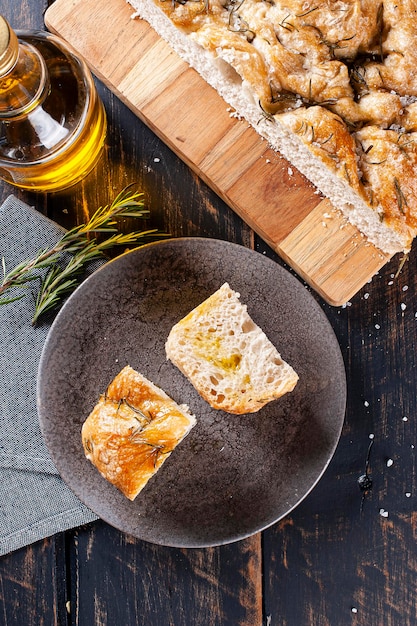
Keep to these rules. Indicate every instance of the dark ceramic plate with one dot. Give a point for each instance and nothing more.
(233, 475)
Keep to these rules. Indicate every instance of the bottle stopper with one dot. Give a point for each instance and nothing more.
(8, 47)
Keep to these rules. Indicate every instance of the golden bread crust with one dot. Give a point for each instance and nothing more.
(353, 61)
(132, 430)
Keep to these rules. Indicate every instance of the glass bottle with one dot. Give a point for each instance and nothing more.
(52, 121)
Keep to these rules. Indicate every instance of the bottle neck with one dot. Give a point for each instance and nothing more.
(23, 76)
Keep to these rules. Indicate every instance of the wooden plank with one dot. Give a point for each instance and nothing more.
(195, 122)
(312, 244)
(33, 584)
(165, 585)
(350, 565)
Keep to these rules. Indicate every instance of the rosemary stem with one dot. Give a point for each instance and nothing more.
(80, 243)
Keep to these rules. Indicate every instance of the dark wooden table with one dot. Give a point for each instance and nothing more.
(335, 560)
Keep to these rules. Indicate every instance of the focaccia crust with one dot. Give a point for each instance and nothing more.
(132, 430)
(345, 70)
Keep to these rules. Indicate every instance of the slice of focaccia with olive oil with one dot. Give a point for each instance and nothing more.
(132, 430)
(227, 357)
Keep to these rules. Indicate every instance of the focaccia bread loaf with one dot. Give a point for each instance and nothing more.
(227, 357)
(132, 430)
(332, 86)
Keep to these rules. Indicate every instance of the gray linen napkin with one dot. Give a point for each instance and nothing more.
(34, 501)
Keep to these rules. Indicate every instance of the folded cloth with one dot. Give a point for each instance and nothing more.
(34, 501)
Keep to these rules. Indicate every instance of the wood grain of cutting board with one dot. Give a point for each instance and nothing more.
(256, 182)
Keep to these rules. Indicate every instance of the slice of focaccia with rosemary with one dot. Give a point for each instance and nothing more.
(132, 430)
(331, 85)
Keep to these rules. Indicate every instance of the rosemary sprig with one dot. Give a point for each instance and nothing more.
(68, 258)
(287, 25)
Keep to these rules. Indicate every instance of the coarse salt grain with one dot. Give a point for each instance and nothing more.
(383, 513)
(403, 306)
(390, 462)
(407, 494)
(366, 296)
(354, 609)
(366, 403)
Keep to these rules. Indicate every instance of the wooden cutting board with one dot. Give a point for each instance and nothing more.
(194, 121)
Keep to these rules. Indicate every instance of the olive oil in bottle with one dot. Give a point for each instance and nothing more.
(52, 121)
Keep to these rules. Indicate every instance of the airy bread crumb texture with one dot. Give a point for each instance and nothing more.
(226, 356)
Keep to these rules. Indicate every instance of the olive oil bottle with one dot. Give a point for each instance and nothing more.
(52, 121)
